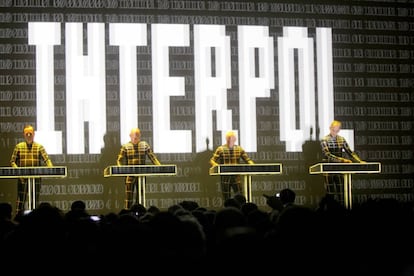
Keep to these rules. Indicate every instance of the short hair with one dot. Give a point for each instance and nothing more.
(335, 123)
(230, 133)
(135, 130)
(28, 128)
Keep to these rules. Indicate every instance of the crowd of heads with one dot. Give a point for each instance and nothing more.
(238, 238)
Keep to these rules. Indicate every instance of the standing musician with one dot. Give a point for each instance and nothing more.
(336, 149)
(28, 154)
(134, 153)
(230, 153)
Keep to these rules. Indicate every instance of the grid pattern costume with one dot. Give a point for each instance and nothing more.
(336, 150)
(228, 156)
(134, 154)
(28, 155)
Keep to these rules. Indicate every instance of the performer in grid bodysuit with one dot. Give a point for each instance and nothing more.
(230, 153)
(28, 154)
(336, 149)
(134, 153)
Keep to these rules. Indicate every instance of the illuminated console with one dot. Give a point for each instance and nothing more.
(244, 169)
(140, 171)
(31, 173)
(247, 170)
(347, 169)
(373, 167)
(36, 172)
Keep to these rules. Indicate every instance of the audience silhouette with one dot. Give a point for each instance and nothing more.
(240, 238)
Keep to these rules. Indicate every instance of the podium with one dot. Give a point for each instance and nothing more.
(347, 169)
(31, 173)
(140, 171)
(247, 171)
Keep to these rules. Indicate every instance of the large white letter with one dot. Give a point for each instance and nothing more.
(164, 86)
(251, 87)
(325, 85)
(85, 87)
(325, 79)
(211, 91)
(128, 37)
(296, 38)
(45, 35)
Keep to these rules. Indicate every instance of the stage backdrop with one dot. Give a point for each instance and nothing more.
(85, 72)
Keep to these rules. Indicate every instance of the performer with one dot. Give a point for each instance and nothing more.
(336, 149)
(28, 154)
(134, 153)
(230, 153)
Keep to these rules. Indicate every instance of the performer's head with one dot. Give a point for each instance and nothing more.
(28, 133)
(135, 135)
(230, 138)
(334, 128)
